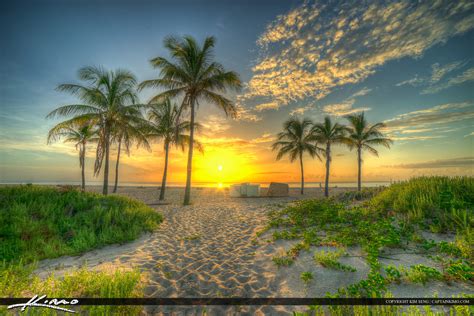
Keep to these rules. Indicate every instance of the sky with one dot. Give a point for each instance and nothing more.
(405, 63)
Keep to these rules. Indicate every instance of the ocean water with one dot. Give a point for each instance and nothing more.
(219, 184)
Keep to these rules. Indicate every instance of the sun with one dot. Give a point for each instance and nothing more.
(219, 167)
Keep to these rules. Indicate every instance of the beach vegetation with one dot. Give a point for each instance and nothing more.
(306, 276)
(18, 280)
(380, 224)
(38, 222)
(330, 259)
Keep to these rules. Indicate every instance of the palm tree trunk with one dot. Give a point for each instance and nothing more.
(117, 165)
(328, 162)
(187, 192)
(83, 175)
(163, 182)
(359, 163)
(105, 188)
(302, 173)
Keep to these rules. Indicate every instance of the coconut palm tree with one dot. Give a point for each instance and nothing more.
(329, 133)
(106, 97)
(79, 133)
(192, 74)
(164, 125)
(295, 140)
(363, 137)
(130, 129)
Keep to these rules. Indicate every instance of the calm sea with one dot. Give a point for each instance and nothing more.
(221, 184)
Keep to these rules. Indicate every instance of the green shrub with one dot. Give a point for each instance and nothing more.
(38, 222)
(422, 274)
(306, 277)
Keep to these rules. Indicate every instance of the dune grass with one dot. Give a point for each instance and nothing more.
(17, 280)
(392, 218)
(39, 222)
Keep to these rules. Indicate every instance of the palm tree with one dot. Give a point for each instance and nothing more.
(107, 97)
(295, 140)
(79, 133)
(329, 133)
(363, 137)
(193, 74)
(130, 129)
(164, 124)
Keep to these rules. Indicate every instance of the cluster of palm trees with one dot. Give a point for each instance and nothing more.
(300, 136)
(110, 114)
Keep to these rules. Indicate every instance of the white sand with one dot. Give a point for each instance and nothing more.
(208, 249)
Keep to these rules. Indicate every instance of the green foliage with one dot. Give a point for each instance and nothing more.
(390, 219)
(393, 274)
(447, 202)
(44, 222)
(364, 194)
(460, 270)
(306, 277)
(422, 274)
(16, 280)
(330, 259)
(283, 261)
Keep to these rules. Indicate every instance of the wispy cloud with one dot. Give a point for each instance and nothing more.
(429, 120)
(344, 108)
(442, 163)
(466, 76)
(434, 83)
(314, 48)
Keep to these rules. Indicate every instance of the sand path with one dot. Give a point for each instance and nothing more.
(207, 249)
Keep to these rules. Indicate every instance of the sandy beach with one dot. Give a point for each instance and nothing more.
(210, 249)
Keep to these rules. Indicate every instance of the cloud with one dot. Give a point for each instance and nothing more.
(442, 163)
(438, 72)
(361, 92)
(215, 124)
(317, 47)
(466, 76)
(265, 138)
(267, 106)
(415, 82)
(470, 134)
(426, 118)
(247, 115)
(344, 108)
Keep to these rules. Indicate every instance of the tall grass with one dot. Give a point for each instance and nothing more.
(16, 280)
(45, 222)
(447, 202)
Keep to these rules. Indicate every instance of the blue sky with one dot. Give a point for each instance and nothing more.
(408, 64)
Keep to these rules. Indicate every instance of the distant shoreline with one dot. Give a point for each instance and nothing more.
(347, 184)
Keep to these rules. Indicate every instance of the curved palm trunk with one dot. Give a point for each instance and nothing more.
(328, 162)
(359, 164)
(83, 175)
(105, 188)
(187, 191)
(163, 182)
(117, 166)
(302, 174)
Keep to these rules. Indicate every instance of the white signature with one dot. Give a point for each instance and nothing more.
(36, 301)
